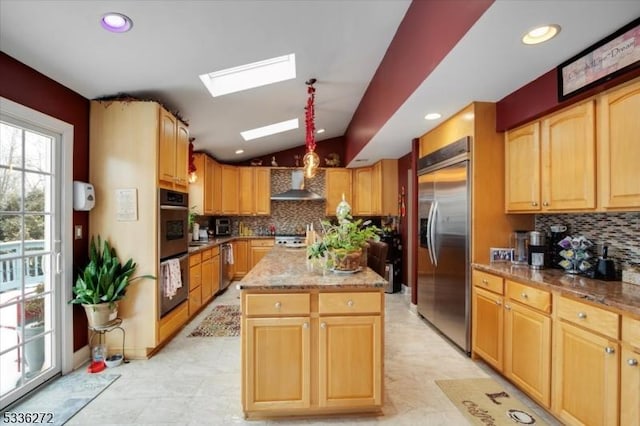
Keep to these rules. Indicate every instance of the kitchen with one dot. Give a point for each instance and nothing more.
(73, 107)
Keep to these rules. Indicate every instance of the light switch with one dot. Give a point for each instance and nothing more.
(78, 232)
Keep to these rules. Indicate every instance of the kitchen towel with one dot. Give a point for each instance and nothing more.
(171, 278)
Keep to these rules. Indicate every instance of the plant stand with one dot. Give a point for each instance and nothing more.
(101, 330)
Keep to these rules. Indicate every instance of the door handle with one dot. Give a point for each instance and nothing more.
(428, 233)
(432, 237)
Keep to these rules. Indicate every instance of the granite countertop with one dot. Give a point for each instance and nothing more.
(286, 269)
(621, 296)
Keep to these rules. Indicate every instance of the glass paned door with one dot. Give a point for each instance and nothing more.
(29, 247)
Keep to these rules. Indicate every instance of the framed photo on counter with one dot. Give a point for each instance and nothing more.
(500, 254)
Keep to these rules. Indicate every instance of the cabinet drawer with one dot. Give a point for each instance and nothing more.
(195, 300)
(631, 331)
(349, 303)
(195, 277)
(215, 251)
(206, 254)
(262, 243)
(487, 281)
(591, 317)
(530, 296)
(278, 304)
(195, 258)
(173, 321)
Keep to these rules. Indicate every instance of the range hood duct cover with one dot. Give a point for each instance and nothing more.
(297, 191)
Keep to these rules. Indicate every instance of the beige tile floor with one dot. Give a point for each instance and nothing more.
(196, 380)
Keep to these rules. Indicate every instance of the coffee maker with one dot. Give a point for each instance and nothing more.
(558, 233)
(519, 241)
(537, 250)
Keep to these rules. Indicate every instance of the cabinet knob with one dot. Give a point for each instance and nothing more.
(305, 325)
(278, 305)
(546, 204)
(323, 325)
(632, 362)
(350, 303)
(609, 350)
(582, 315)
(534, 204)
(484, 281)
(524, 295)
(507, 307)
(498, 302)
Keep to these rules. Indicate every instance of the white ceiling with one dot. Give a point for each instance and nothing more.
(341, 43)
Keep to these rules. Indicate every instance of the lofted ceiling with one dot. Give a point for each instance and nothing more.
(340, 43)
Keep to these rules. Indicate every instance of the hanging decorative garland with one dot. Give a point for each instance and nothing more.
(311, 160)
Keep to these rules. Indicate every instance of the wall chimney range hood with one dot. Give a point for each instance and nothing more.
(297, 191)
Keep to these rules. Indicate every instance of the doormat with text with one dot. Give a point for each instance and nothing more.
(222, 321)
(484, 402)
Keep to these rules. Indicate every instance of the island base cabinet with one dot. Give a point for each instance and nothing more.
(630, 387)
(277, 364)
(586, 377)
(350, 363)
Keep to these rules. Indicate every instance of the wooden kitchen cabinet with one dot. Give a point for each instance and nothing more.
(527, 340)
(630, 372)
(254, 191)
(240, 258)
(173, 149)
(205, 192)
(375, 189)
(282, 342)
(586, 364)
(550, 164)
(487, 327)
(258, 248)
(618, 148)
(207, 275)
(195, 283)
(229, 190)
(337, 184)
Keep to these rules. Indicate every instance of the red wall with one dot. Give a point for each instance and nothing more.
(410, 58)
(28, 87)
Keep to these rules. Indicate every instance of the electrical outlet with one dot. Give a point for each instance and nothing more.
(77, 231)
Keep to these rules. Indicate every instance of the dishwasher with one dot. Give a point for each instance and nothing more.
(226, 260)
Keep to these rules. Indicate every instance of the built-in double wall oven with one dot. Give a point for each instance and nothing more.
(173, 241)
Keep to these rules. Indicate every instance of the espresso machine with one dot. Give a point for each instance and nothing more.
(519, 240)
(537, 250)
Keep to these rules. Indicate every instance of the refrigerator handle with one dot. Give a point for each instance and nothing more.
(428, 233)
(432, 232)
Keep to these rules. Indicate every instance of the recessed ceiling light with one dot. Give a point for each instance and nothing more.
(239, 151)
(116, 22)
(541, 34)
(271, 129)
(320, 131)
(251, 75)
(432, 116)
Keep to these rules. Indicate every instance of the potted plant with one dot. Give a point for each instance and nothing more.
(343, 242)
(102, 283)
(34, 326)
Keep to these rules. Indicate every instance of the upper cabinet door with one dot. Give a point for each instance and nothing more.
(522, 168)
(167, 149)
(619, 148)
(363, 191)
(262, 191)
(337, 184)
(568, 159)
(181, 156)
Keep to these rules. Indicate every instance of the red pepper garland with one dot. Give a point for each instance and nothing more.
(311, 160)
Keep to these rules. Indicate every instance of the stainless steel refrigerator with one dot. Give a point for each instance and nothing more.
(443, 290)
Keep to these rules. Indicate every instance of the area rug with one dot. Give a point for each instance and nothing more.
(222, 321)
(63, 397)
(485, 402)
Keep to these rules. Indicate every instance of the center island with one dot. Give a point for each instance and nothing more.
(312, 343)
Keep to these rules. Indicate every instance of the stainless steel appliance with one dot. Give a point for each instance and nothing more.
(444, 200)
(290, 240)
(537, 250)
(173, 240)
(222, 226)
(226, 258)
(519, 240)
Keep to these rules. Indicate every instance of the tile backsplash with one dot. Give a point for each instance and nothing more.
(620, 231)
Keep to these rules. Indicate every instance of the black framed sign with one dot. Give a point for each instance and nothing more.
(606, 59)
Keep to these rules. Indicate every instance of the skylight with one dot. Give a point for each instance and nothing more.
(251, 75)
(271, 129)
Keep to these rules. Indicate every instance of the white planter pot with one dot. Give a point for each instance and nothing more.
(34, 350)
(101, 314)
